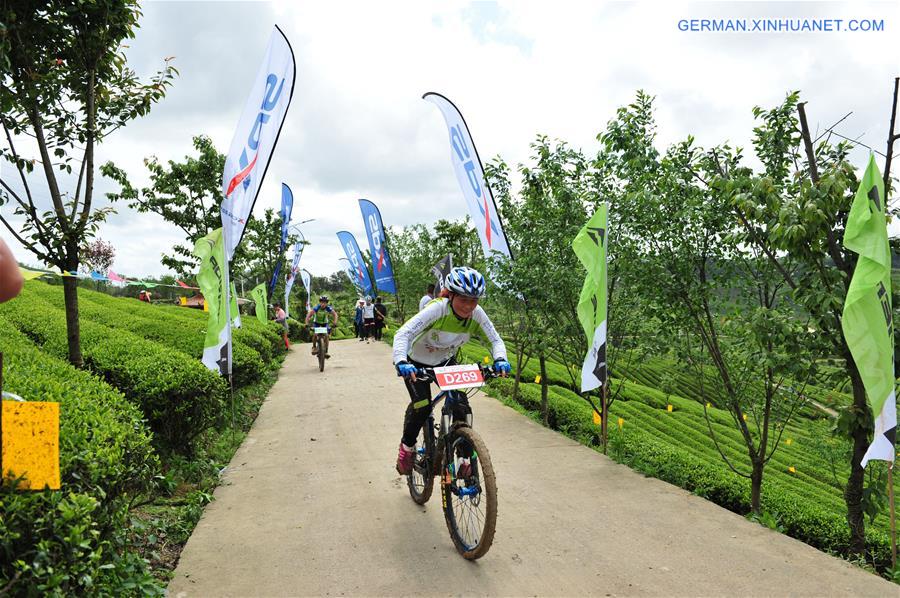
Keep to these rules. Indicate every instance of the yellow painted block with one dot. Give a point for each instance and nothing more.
(621, 423)
(487, 359)
(205, 306)
(744, 416)
(669, 408)
(789, 441)
(537, 379)
(183, 300)
(709, 405)
(597, 419)
(791, 469)
(31, 444)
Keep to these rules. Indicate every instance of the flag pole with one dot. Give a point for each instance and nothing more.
(227, 268)
(604, 390)
(893, 519)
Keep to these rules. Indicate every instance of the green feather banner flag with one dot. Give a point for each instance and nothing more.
(211, 279)
(867, 321)
(590, 247)
(259, 297)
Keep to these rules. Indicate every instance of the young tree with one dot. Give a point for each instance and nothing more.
(541, 222)
(697, 277)
(98, 256)
(67, 88)
(187, 194)
(261, 245)
(798, 206)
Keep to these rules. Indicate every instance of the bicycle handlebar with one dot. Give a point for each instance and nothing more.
(427, 374)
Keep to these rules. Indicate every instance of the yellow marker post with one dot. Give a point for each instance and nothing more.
(709, 405)
(183, 300)
(537, 379)
(621, 423)
(669, 408)
(597, 420)
(789, 441)
(744, 415)
(487, 359)
(791, 469)
(30, 445)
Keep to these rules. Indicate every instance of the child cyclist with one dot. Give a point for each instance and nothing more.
(431, 338)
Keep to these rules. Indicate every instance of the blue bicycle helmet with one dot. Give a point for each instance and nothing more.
(463, 280)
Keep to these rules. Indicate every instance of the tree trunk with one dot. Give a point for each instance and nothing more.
(853, 493)
(519, 355)
(73, 332)
(756, 479)
(545, 416)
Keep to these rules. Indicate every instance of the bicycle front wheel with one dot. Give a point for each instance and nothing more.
(321, 351)
(469, 493)
(421, 479)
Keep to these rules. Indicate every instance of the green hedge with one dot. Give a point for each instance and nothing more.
(74, 541)
(185, 333)
(178, 396)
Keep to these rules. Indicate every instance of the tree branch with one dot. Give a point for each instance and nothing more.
(48, 170)
(77, 191)
(890, 142)
(89, 150)
(833, 249)
(29, 246)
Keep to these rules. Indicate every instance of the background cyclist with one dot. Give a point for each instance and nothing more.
(319, 315)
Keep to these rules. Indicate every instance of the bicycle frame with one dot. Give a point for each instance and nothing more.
(447, 423)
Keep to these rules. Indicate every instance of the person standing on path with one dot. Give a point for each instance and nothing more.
(368, 319)
(380, 316)
(281, 318)
(358, 319)
(428, 296)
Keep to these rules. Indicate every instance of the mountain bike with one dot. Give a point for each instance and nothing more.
(320, 342)
(454, 452)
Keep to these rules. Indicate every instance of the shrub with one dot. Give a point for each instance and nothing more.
(250, 348)
(179, 397)
(73, 541)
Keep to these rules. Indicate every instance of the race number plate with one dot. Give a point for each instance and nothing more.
(320, 330)
(458, 376)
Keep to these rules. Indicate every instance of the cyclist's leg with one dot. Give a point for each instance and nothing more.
(417, 410)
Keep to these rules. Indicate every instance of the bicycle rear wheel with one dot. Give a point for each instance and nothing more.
(470, 500)
(321, 352)
(421, 479)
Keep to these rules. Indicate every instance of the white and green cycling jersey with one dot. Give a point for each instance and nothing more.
(434, 335)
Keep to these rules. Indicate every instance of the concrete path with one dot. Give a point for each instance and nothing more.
(311, 505)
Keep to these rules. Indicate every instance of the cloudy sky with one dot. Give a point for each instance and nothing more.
(358, 127)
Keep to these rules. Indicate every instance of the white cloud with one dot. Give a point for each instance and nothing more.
(358, 127)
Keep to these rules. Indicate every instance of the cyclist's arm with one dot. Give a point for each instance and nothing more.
(498, 348)
(309, 315)
(334, 311)
(413, 327)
